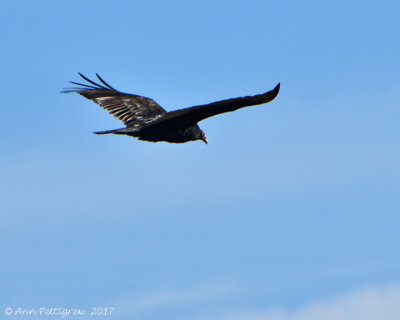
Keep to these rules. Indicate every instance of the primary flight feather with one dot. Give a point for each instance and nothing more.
(147, 120)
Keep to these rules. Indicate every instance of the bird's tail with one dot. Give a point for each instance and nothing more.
(116, 131)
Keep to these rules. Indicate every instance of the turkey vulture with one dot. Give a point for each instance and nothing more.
(147, 120)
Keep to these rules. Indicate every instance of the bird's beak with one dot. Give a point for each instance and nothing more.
(204, 138)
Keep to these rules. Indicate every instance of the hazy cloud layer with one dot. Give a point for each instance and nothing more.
(363, 304)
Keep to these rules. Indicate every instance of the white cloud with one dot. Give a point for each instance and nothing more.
(363, 304)
(370, 303)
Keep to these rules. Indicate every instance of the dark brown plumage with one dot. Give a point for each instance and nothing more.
(147, 120)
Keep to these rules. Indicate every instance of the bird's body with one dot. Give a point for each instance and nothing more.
(148, 121)
(166, 133)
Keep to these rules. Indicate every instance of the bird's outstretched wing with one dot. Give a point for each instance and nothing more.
(134, 111)
(195, 114)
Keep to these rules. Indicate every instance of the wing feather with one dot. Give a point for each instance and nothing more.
(133, 110)
(105, 83)
(195, 114)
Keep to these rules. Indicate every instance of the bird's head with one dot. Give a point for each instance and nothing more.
(203, 137)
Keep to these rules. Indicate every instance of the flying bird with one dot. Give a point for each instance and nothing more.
(147, 120)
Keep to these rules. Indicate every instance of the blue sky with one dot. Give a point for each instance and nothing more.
(292, 210)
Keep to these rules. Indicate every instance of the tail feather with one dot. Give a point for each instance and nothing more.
(116, 131)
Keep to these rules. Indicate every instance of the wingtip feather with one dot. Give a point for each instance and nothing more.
(274, 92)
(105, 83)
